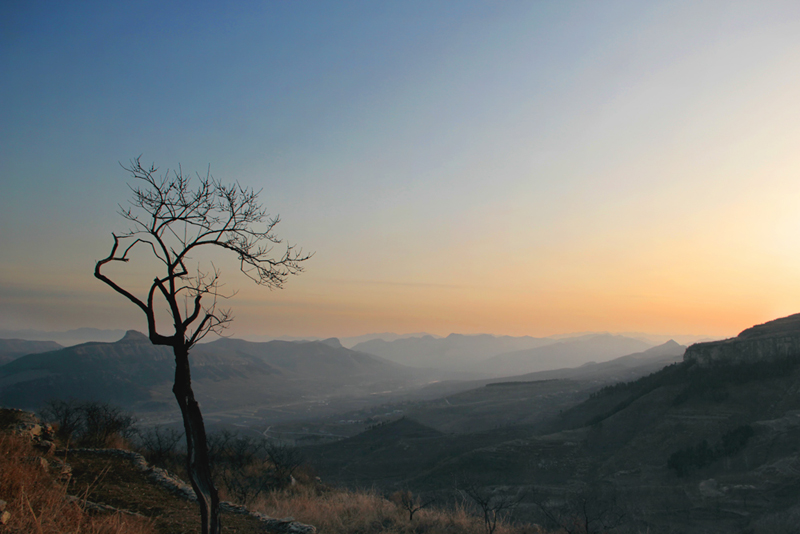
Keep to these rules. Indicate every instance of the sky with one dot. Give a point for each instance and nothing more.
(515, 168)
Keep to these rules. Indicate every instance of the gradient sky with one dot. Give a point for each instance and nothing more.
(522, 168)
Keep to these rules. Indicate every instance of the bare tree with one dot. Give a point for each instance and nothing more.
(495, 505)
(172, 219)
(160, 445)
(285, 460)
(592, 509)
(66, 415)
(411, 503)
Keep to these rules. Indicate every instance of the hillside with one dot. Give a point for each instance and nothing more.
(571, 352)
(694, 447)
(622, 369)
(11, 349)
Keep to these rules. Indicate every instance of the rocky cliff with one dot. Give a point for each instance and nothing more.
(770, 341)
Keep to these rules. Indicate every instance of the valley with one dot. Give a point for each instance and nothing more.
(700, 439)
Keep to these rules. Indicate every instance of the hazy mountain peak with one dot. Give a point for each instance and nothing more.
(332, 342)
(669, 345)
(134, 336)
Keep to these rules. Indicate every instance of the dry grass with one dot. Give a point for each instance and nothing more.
(37, 500)
(335, 511)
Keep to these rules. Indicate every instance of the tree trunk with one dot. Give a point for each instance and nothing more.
(197, 461)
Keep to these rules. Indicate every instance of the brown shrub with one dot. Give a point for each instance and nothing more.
(37, 502)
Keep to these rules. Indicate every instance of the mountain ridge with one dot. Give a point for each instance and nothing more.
(132, 372)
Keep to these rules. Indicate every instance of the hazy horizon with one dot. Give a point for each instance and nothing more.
(509, 168)
(88, 334)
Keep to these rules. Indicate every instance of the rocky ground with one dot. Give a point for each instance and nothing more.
(120, 482)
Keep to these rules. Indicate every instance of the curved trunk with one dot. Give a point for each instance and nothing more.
(197, 461)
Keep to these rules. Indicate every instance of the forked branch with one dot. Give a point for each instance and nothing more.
(174, 218)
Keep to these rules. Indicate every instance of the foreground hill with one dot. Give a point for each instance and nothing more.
(61, 489)
(708, 444)
(227, 373)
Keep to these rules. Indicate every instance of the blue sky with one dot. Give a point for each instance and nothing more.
(505, 167)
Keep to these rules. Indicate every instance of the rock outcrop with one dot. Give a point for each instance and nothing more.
(775, 340)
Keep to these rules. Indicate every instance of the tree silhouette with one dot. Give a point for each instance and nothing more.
(411, 503)
(592, 509)
(495, 506)
(171, 219)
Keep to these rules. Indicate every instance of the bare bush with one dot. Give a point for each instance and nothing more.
(284, 460)
(103, 422)
(160, 445)
(65, 415)
(245, 466)
(89, 423)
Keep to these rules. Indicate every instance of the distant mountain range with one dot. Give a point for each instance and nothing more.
(226, 373)
(348, 342)
(502, 355)
(83, 335)
(452, 352)
(64, 337)
(230, 373)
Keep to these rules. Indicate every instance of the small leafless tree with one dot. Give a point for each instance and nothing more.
(237, 463)
(246, 466)
(66, 415)
(411, 503)
(285, 460)
(592, 509)
(172, 219)
(159, 444)
(496, 506)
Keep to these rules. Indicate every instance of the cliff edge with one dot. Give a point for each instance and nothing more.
(770, 341)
